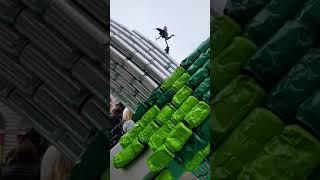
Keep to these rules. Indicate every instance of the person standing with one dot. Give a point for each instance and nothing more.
(128, 123)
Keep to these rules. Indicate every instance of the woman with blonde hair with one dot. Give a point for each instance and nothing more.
(128, 123)
(55, 165)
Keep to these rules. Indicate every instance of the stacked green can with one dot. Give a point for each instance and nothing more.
(174, 120)
(266, 93)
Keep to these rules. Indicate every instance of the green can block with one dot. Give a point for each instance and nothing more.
(310, 14)
(160, 159)
(154, 97)
(150, 115)
(187, 105)
(180, 82)
(308, 113)
(207, 97)
(271, 18)
(281, 52)
(198, 77)
(159, 137)
(203, 58)
(172, 78)
(204, 130)
(165, 175)
(244, 10)
(186, 63)
(165, 114)
(245, 143)
(233, 103)
(147, 132)
(165, 98)
(202, 88)
(140, 111)
(194, 144)
(292, 155)
(198, 114)
(203, 171)
(181, 95)
(296, 86)
(197, 159)
(128, 154)
(223, 31)
(204, 46)
(228, 64)
(127, 138)
(178, 137)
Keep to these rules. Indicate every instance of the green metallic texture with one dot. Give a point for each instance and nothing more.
(202, 88)
(244, 10)
(159, 137)
(204, 130)
(165, 175)
(166, 85)
(140, 111)
(308, 113)
(271, 18)
(187, 105)
(199, 76)
(197, 115)
(296, 86)
(203, 171)
(245, 143)
(194, 144)
(233, 103)
(147, 132)
(310, 14)
(165, 114)
(225, 29)
(203, 58)
(197, 159)
(204, 46)
(160, 159)
(176, 169)
(228, 64)
(291, 155)
(154, 97)
(281, 52)
(94, 161)
(127, 138)
(181, 96)
(180, 82)
(150, 115)
(128, 154)
(186, 63)
(207, 97)
(178, 137)
(165, 98)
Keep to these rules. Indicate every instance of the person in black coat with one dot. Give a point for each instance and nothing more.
(116, 114)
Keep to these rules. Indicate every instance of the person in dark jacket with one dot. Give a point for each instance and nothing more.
(25, 164)
(116, 114)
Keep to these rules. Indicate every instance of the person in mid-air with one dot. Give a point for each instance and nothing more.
(165, 35)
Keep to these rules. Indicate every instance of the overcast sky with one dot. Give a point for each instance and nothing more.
(187, 19)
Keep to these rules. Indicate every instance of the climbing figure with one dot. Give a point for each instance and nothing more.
(164, 34)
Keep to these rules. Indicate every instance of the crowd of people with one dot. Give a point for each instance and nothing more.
(34, 159)
(121, 119)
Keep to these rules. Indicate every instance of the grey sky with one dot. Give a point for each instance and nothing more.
(187, 19)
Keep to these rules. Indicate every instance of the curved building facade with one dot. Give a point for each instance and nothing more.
(137, 65)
